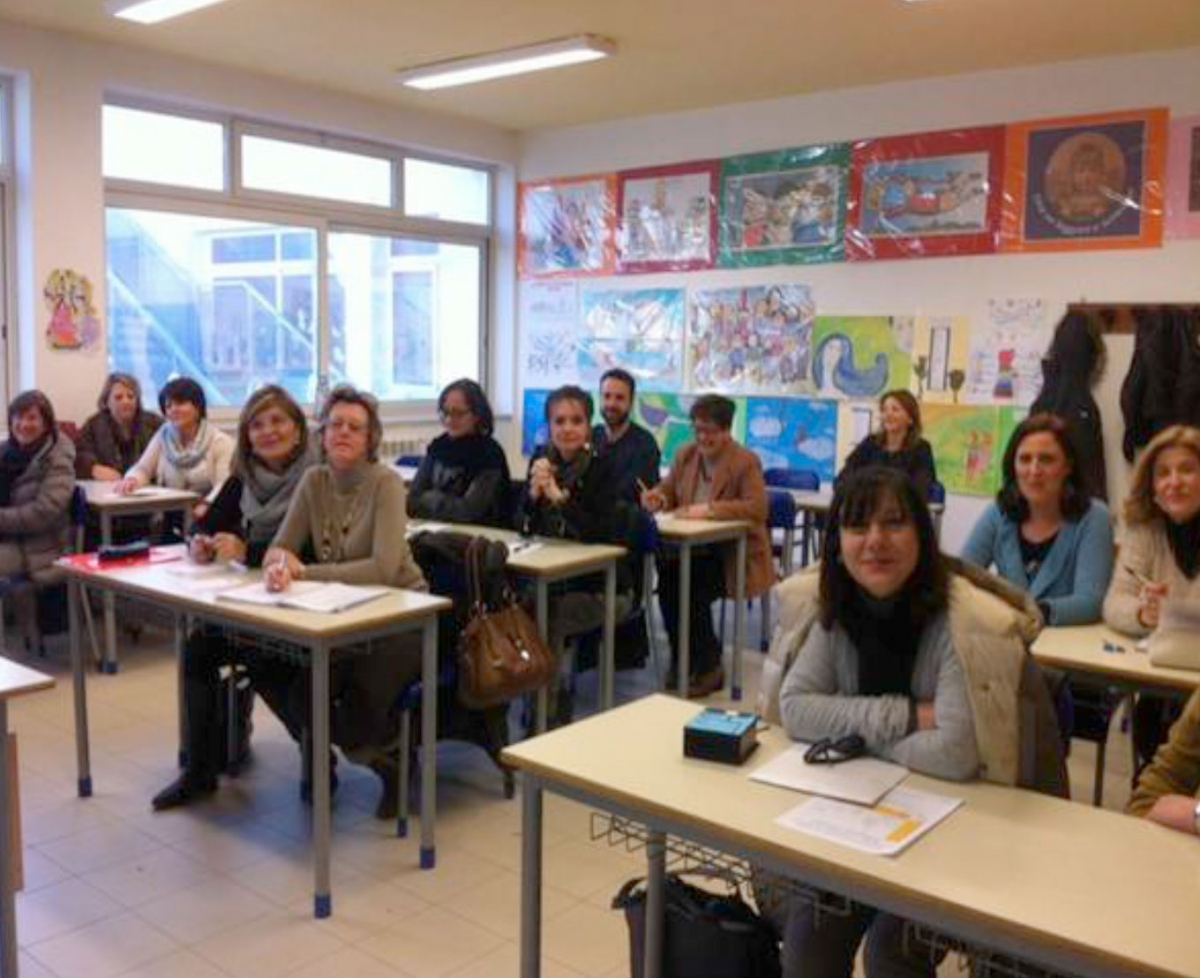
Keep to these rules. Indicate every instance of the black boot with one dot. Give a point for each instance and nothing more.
(186, 788)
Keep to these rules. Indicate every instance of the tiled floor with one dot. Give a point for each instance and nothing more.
(224, 888)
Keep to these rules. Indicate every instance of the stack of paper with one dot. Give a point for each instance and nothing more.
(901, 817)
(305, 596)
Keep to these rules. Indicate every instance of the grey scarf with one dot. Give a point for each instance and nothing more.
(183, 458)
(266, 495)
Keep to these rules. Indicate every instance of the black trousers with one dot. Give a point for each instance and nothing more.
(708, 585)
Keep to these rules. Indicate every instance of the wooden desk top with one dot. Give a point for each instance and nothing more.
(1080, 649)
(1107, 891)
(101, 496)
(552, 558)
(671, 527)
(155, 582)
(17, 680)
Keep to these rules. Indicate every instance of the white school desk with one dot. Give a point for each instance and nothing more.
(107, 504)
(1080, 890)
(320, 634)
(813, 504)
(686, 535)
(15, 680)
(1079, 651)
(555, 560)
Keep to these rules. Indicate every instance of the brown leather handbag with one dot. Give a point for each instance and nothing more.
(500, 653)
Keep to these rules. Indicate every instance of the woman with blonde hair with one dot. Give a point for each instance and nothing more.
(114, 438)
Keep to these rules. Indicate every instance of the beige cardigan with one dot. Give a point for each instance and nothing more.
(1145, 553)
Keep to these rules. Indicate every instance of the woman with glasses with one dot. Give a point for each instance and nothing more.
(463, 477)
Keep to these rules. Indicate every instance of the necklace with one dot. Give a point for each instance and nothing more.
(334, 532)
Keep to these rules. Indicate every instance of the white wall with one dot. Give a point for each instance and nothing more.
(948, 286)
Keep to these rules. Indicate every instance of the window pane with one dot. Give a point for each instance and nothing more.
(452, 193)
(160, 148)
(403, 323)
(313, 171)
(207, 297)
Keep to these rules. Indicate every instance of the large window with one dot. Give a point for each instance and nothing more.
(298, 259)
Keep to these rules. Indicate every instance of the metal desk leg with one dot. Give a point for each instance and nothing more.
(656, 867)
(8, 910)
(108, 661)
(608, 664)
(531, 877)
(322, 899)
(739, 618)
(543, 625)
(684, 628)
(429, 691)
(82, 754)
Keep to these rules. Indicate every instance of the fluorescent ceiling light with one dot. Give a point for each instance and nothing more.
(514, 61)
(152, 11)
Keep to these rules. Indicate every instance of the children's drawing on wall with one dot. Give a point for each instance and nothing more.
(1005, 363)
(940, 352)
(566, 226)
(752, 339)
(937, 195)
(860, 356)
(640, 330)
(1183, 179)
(966, 446)
(668, 218)
(783, 207)
(549, 316)
(534, 430)
(73, 322)
(665, 416)
(793, 433)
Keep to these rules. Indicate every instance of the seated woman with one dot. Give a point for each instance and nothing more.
(1044, 533)
(898, 443)
(349, 513)
(464, 475)
(1166, 791)
(114, 438)
(712, 478)
(1160, 555)
(887, 643)
(186, 452)
(272, 454)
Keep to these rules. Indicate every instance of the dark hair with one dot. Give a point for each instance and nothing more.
(858, 496)
(272, 395)
(476, 400)
(349, 394)
(34, 399)
(570, 392)
(624, 376)
(715, 409)
(183, 389)
(912, 408)
(125, 380)
(1075, 497)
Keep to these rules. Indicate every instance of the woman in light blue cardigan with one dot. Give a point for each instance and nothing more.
(1044, 533)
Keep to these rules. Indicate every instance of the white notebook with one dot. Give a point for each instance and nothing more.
(319, 596)
(901, 817)
(863, 780)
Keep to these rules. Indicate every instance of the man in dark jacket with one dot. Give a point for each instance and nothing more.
(634, 452)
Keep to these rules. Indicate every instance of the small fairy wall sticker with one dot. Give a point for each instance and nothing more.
(73, 322)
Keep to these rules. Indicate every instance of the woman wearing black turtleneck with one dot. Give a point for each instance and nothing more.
(464, 475)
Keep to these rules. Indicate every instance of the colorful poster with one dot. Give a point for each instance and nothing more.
(1183, 179)
(752, 339)
(534, 431)
(936, 193)
(785, 207)
(940, 354)
(549, 318)
(861, 356)
(967, 447)
(566, 226)
(665, 416)
(1005, 363)
(1086, 182)
(668, 217)
(793, 433)
(640, 330)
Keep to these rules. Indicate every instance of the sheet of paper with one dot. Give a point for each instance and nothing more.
(864, 780)
(305, 595)
(901, 817)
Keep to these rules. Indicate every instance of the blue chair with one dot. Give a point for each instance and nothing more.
(937, 498)
(410, 460)
(799, 480)
(781, 515)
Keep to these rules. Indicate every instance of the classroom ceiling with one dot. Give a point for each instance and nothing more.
(674, 54)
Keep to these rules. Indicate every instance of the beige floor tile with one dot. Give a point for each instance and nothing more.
(181, 964)
(505, 962)
(590, 940)
(105, 845)
(40, 870)
(152, 876)
(104, 949)
(30, 967)
(273, 945)
(62, 819)
(365, 907)
(349, 963)
(289, 877)
(59, 909)
(432, 944)
(226, 847)
(456, 872)
(205, 910)
(496, 904)
(585, 868)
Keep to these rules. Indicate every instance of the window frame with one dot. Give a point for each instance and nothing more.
(325, 216)
(8, 227)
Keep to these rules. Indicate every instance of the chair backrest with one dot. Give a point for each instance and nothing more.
(937, 493)
(781, 513)
(79, 514)
(410, 460)
(805, 480)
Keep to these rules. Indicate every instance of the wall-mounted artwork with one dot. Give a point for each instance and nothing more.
(566, 226)
(549, 320)
(784, 207)
(73, 323)
(1086, 182)
(967, 446)
(1005, 363)
(534, 430)
(1183, 179)
(668, 217)
(793, 433)
(751, 339)
(935, 193)
(639, 330)
(940, 353)
(665, 416)
(861, 356)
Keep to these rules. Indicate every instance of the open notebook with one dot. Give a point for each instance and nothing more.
(305, 595)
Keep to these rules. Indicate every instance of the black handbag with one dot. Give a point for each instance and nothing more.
(705, 935)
